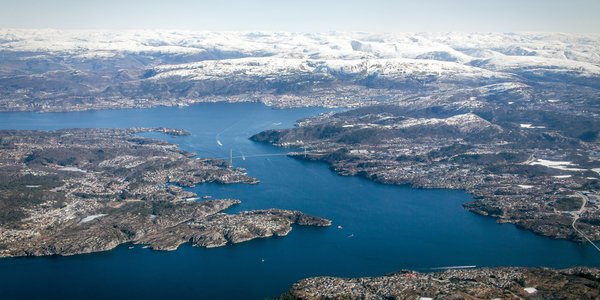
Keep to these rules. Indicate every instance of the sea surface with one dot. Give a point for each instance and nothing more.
(382, 228)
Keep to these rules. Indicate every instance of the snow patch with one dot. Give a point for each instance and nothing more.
(92, 217)
(72, 169)
(530, 126)
(560, 165)
(466, 122)
(563, 176)
(524, 186)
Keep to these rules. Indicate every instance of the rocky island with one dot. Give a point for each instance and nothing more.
(77, 191)
(485, 283)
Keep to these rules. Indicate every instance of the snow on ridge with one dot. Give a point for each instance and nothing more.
(267, 66)
(560, 165)
(503, 86)
(465, 122)
(466, 118)
(540, 63)
(462, 55)
(531, 126)
(91, 218)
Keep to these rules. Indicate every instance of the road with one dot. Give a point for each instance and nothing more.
(576, 216)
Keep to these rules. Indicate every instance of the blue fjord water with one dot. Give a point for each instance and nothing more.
(384, 228)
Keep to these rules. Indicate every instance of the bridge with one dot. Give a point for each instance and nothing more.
(577, 215)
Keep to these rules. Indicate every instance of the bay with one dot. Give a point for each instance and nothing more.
(376, 229)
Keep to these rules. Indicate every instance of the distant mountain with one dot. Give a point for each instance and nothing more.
(51, 70)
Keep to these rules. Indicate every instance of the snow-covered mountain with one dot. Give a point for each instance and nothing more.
(41, 67)
(398, 68)
(460, 47)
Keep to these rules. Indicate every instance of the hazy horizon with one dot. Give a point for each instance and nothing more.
(577, 16)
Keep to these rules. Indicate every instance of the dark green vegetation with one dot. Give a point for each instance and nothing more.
(22, 192)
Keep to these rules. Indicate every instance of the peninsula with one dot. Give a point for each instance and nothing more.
(78, 191)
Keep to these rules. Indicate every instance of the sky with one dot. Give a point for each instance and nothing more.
(308, 15)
